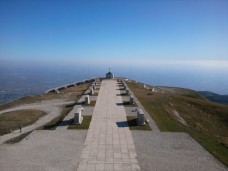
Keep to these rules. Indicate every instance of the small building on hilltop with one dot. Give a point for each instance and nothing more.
(109, 75)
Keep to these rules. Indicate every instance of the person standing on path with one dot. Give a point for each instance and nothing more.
(20, 127)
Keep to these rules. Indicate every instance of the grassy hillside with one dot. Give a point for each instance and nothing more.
(214, 97)
(206, 122)
(12, 120)
(69, 94)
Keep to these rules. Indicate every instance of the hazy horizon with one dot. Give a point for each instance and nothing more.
(22, 80)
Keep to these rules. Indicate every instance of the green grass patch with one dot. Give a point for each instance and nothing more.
(85, 123)
(12, 120)
(132, 123)
(127, 104)
(92, 103)
(217, 149)
(95, 94)
(122, 94)
(18, 138)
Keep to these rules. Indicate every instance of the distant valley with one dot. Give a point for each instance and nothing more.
(214, 97)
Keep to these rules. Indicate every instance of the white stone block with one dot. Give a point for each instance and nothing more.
(91, 91)
(87, 100)
(140, 117)
(78, 116)
(57, 91)
(131, 101)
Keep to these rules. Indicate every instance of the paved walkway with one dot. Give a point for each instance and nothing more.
(109, 144)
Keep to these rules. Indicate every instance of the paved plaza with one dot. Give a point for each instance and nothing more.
(109, 144)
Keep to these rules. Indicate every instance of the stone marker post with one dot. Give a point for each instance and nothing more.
(87, 101)
(91, 91)
(131, 101)
(78, 116)
(140, 117)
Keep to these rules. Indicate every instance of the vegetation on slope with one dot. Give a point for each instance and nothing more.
(214, 97)
(207, 122)
(12, 120)
(69, 94)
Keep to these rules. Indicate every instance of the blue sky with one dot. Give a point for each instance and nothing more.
(74, 31)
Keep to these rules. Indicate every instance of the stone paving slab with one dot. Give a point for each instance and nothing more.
(130, 111)
(167, 151)
(109, 143)
(44, 150)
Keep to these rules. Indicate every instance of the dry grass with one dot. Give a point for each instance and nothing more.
(95, 94)
(12, 120)
(18, 138)
(208, 121)
(69, 94)
(92, 103)
(132, 123)
(127, 104)
(27, 117)
(85, 123)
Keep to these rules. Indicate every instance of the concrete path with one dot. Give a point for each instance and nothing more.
(172, 151)
(44, 150)
(109, 144)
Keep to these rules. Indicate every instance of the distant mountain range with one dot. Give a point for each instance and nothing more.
(214, 97)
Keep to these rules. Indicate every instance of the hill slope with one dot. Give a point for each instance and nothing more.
(214, 97)
(184, 110)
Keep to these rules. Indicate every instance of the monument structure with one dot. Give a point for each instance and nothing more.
(109, 75)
